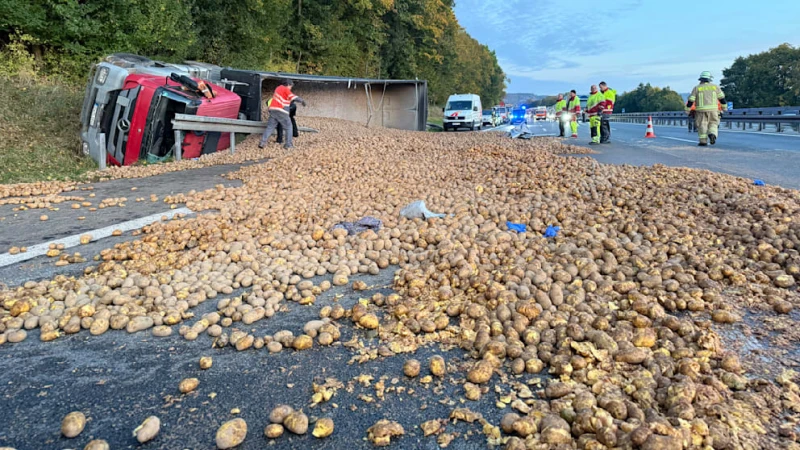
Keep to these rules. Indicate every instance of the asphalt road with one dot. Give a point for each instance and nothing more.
(118, 379)
(771, 157)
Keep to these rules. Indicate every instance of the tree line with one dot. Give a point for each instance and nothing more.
(360, 38)
(770, 78)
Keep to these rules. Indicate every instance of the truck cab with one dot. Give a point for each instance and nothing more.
(130, 102)
(463, 111)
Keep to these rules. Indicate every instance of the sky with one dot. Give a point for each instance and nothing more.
(546, 47)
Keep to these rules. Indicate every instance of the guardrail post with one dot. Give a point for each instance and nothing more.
(233, 143)
(778, 127)
(178, 145)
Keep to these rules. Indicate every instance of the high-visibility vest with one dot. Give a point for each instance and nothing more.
(595, 103)
(561, 105)
(610, 97)
(574, 105)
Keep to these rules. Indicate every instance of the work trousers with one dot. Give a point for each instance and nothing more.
(278, 118)
(561, 126)
(594, 128)
(574, 126)
(692, 125)
(605, 128)
(295, 132)
(707, 123)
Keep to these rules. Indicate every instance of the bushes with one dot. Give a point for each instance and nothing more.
(39, 126)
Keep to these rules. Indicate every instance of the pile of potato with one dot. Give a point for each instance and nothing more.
(619, 307)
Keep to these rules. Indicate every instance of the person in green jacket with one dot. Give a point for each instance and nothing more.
(594, 108)
(574, 108)
(560, 107)
(707, 97)
(609, 96)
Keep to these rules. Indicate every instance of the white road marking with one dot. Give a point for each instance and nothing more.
(677, 139)
(6, 259)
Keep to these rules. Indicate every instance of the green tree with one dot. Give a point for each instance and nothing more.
(770, 78)
(646, 98)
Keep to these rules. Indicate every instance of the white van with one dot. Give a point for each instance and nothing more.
(463, 111)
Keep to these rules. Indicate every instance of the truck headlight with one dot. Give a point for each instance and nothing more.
(102, 75)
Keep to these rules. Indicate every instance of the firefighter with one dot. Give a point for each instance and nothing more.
(594, 107)
(706, 97)
(691, 121)
(574, 107)
(609, 97)
(279, 108)
(560, 107)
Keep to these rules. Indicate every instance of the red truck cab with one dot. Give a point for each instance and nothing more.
(128, 112)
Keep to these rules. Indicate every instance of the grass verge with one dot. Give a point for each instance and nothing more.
(39, 126)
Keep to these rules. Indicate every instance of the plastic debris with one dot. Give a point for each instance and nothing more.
(518, 227)
(362, 224)
(551, 231)
(417, 210)
(759, 183)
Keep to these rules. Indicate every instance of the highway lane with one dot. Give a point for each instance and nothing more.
(771, 157)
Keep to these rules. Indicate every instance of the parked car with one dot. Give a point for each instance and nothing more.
(463, 111)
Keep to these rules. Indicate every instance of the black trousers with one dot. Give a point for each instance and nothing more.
(295, 133)
(561, 127)
(605, 127)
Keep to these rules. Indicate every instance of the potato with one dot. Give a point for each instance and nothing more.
(302, 342)
(231, 433)
(279, 413)
(273, 430)
(162, 331)
(411, 368)
(296, 422)
(139, 323)
(369, 321)
(383, 431)
(480, 373)
(188, 385)
(206, 362)
(73, 424)
(323, 428)
(97, 444)
(438, 366)
(148, 430)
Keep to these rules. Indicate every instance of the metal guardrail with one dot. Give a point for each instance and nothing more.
(189, 122)
(754, 118)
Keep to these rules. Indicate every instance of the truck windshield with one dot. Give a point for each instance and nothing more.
(459, 104)
(487, 112)
(501, 110)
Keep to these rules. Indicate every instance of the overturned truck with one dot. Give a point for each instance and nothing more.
(130, 102)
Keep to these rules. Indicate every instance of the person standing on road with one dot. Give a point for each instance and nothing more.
(594, 108)
(706, 97)
(279, 113)
(609, 97)
(560, 107)
(574, 107)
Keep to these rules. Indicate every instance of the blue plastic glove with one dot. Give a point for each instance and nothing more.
(759, 183)
(551, 231)
(518, 227)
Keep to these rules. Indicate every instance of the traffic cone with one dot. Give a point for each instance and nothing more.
(650, 134)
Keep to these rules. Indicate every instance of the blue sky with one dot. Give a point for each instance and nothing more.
(547, 47)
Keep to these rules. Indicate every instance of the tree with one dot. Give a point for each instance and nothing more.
(770, 78)
(646, 98)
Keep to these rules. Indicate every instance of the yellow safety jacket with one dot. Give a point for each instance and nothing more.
(610, 97)
(594, 105)
(560, 106)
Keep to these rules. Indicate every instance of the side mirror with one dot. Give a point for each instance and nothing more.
(474, 108)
